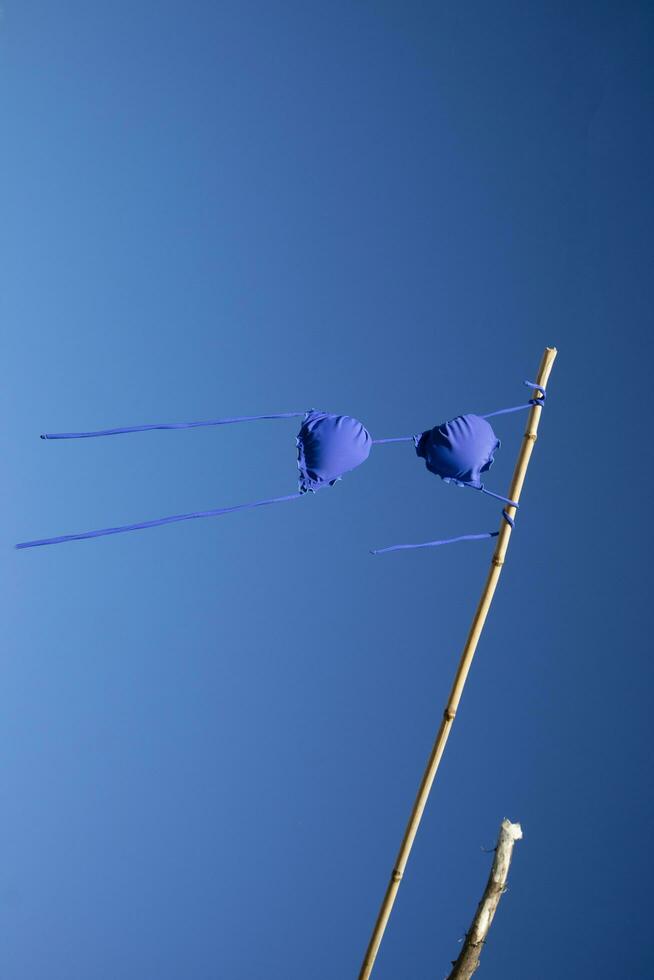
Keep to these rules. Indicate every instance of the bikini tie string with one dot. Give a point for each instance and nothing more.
(538, 402)
(490, 493)
(174, 519)
(169, 425)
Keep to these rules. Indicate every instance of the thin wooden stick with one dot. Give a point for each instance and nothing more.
(467, 961)
(465, 662)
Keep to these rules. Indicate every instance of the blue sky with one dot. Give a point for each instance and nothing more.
(213, 732)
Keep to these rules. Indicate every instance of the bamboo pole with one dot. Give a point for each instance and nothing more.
(449, 714)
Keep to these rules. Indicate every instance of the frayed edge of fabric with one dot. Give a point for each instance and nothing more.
(306, 483)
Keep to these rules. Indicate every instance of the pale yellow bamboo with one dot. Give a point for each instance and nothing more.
(465, 662)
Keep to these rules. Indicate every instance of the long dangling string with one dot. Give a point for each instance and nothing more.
(157, 523)
(540, 402)
(435, 544)
(168, 425)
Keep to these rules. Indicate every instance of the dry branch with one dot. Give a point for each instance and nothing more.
(468, 959)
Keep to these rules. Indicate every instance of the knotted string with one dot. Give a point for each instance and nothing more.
(157, 523)
(168, 425)
(540, 402)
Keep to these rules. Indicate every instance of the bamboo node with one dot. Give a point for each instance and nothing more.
(531, 436)
(449, 714)
(497, 562)
(397, 875)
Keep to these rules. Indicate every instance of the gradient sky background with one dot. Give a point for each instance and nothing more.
(212, 733)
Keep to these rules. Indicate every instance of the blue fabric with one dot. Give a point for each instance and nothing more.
(460, 450)
(329, 446)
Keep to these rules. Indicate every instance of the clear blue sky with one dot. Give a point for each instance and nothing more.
(212, 733)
